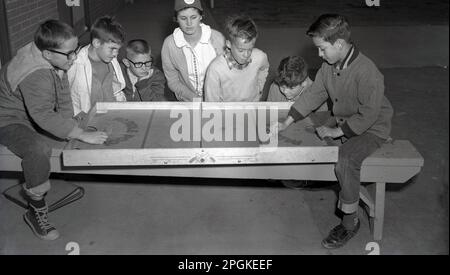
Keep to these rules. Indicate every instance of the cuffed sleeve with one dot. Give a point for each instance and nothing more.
(348, 132)
(295, 114)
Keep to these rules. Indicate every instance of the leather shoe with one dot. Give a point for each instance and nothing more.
(339, 236)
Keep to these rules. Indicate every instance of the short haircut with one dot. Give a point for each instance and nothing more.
(241, 26)
(107, 29)
(52, 34)
(330, 27)
(138, 46)
(292, 71)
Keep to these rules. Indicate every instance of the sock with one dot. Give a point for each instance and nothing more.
(37, 203)
(350, 220)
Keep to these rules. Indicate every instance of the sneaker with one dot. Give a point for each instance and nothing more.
(339, 236)
(37, 219)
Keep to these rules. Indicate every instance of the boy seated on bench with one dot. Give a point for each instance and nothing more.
(35, 99)
(362, 114)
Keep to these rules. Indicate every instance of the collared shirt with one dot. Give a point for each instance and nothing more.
(232, 63)
(197, 58)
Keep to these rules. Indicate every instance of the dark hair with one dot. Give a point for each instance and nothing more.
(292, 71)
(107, 29)
(241, 26)
(138, 46)
(330, 27)
(52, 34)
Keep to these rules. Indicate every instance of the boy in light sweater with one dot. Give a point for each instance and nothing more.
(240, 73)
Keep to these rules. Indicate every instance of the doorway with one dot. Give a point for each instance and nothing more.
(76, 15)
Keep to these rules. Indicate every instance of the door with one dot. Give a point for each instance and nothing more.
(76, 15)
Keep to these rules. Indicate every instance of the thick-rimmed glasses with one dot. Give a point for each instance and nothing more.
(147, 64)
(70, 55)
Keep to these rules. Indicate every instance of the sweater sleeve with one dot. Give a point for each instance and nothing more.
(370, 93)
(213, 89)
(181, 91)
(263, 72)
(39, 96)
(311, 98)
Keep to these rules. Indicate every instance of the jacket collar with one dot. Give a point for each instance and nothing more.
(27, 60)
(181, 42)
(349, 58)
(232, 63)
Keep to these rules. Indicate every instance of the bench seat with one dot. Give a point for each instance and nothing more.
(395, 162)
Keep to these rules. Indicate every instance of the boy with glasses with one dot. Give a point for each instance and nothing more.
(144, 82)
(96, 75)
(35, 102)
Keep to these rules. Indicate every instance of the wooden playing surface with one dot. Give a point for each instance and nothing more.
(140, 132)
(139, 129)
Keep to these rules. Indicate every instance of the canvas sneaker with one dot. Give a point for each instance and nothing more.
(37, 219)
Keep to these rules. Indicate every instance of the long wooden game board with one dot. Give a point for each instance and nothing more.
(177, 133)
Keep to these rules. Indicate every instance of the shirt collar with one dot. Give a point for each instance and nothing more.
(232, 63)
(181, 42)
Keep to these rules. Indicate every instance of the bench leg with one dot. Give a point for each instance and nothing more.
(373, 196)
(380, 191)
(378, 220)
(211, 2)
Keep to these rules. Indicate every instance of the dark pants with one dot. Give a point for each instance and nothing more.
(34, 152)
(348, 168)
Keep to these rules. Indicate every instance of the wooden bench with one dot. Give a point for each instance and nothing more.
(395, 162)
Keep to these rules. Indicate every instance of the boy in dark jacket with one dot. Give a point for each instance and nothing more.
(144, 82)
(35, 98)
(362, 114)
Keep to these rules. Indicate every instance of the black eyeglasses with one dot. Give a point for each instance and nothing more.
(147, 64)
(69, 55)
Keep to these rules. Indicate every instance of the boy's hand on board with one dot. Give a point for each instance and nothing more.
(324, 132)
(96, 137)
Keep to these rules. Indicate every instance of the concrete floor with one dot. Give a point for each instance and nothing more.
(134, 215)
